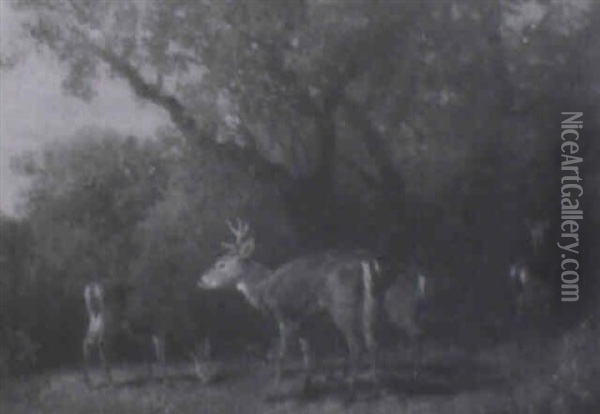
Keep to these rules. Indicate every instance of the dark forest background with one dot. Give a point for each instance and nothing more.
(427, 130)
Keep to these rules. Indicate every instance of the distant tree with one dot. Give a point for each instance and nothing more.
(86, 198)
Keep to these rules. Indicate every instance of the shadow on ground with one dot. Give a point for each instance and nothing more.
(401, 379)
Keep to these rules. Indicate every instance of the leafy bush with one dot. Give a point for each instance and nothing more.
(578, 373)
(18, 353)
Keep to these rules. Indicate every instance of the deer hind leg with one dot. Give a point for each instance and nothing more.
(520, 323)
(349, 323)
(413, 335)
(354, 351)
(351, 333)
(368, 337)
(370, 311)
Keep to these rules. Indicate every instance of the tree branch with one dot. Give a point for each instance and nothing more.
(248, 156)
(373, 140)
(370, 179)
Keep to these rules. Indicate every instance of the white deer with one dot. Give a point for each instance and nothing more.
(107, 317)
(339, 284)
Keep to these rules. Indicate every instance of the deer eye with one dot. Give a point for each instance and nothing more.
(221, 265)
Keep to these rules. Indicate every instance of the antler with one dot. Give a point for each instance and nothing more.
(240, 230)
(243, 245)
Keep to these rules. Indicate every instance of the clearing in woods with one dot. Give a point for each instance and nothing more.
(444, 384)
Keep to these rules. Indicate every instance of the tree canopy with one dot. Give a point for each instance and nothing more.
(370, 103)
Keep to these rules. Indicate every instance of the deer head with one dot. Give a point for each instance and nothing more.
(538, 230)
(519, 274)
(229, 268)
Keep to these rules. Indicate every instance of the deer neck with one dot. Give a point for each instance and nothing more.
(253, 283)
(94, 299)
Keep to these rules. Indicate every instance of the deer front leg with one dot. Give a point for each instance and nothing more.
(104, 359)
(306, 362)
(86, 361)
(345, 321)
(306, 357)
(353, 360)
(285, 334)
(158, 344)
(416, 349)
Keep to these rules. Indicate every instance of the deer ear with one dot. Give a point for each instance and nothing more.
(229, 247)
(247, 248)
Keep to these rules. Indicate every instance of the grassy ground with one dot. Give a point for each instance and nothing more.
(498, 381)
(445, 383)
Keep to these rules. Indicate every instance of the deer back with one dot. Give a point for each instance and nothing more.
(330, 281)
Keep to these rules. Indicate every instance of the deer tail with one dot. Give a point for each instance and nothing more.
(370, 271)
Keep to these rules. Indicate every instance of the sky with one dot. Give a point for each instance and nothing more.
(34, 111)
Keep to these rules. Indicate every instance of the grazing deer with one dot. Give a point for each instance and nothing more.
(107, 318)
(339, 284)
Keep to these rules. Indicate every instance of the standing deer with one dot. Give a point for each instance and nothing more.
(339, 284)
(531, 293)
(106, 305)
